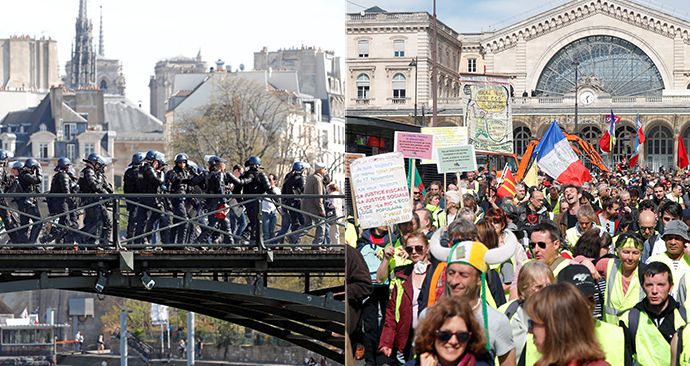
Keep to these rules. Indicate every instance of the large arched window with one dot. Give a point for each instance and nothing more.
(659, 141)
(521, 138)
(591, 134)
(613, 64)
(399, 84)
(625, 143)
(363, 84)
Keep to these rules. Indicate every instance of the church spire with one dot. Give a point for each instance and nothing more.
(82, 9)
(101, 47)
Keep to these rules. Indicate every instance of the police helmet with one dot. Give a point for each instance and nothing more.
(160, 157)
(63, 162)
(254, 160)
(4, 154)
(103, 161)
(193, 166)
(31, 163)
(181, 157)
(138, 158)
(215, 160)
(151, 155)
(93, 158)
(18, 165)
(297, 166)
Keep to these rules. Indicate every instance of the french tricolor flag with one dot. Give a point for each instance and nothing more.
(639, 140)
(557, 159)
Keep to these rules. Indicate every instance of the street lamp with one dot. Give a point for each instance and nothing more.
(576, 64)
(413, 63)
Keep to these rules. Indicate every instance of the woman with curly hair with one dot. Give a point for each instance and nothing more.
(563, 340)
(449, 335)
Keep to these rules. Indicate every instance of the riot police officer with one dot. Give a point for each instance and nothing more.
(61, 183)
(130, 182)
(30, 180)
(8, 218)
(96, 219)
(152, 177)
(217, 180)
(177, 181)
(256, 182)
(293, 184)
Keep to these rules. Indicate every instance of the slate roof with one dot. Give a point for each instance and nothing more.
(129, 121)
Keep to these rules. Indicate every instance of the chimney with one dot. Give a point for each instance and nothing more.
(219, 65)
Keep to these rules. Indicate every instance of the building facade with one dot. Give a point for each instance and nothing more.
(628, 57)
(161, 83)
(28, 64)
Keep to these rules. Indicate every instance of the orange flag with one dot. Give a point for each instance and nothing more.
(682, 154)
(507, 188)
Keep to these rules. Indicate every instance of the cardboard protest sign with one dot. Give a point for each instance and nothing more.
(414, 145)
(457, 159)
(381, 193)
(445, 137)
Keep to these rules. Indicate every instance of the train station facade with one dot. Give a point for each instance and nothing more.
(605, 55)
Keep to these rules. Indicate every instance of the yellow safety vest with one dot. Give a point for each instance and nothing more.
(616, 301)
(610, 337)
(651, 349)
(684, 287)
(665, 259)
(351, 234)
(572, 236)
(684, 347)
(564, 263)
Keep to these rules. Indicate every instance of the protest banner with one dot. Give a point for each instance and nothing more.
(414, 145)
(349, 157)
(381, 194)
(445, 137)
(488, 113)
(457, 159)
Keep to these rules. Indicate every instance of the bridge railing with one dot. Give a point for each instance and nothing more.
(165, 221)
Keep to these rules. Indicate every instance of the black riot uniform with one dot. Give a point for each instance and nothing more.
(256, 182)
(216, 182)
(30, 180)
(129, 187)
(178, 181)
(293, 184)
(96, 219)
(151, 179)
(8, 218)
(61, 183)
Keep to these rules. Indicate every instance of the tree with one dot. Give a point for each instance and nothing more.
(243, 118)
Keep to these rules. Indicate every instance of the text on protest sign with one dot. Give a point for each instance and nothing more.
(381, 193)
(349, 158)
(445, 137)
(457, 159)
(414, 145)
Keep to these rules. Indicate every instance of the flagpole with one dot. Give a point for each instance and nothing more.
(412, 167)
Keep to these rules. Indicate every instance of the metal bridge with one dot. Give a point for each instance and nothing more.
(225, 281)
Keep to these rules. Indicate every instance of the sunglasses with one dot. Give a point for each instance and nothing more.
(415, 249)
(417, 193)
(541, 245)
(445, 336)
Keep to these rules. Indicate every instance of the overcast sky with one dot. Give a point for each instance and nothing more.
(142, 32)
(484, 15)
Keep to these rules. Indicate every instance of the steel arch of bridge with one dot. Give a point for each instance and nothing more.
(309, 321)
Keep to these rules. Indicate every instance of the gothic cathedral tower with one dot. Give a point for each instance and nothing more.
(88, 68)
(81, 70)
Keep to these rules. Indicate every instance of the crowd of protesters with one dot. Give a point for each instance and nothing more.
(555, 274)
(168, 211)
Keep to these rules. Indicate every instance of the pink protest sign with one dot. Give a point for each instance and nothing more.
(414, 145)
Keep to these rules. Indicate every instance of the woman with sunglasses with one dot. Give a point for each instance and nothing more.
(449, 335)
(563, 327)
(409, 292)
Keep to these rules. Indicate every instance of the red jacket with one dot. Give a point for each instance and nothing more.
(396, 335)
